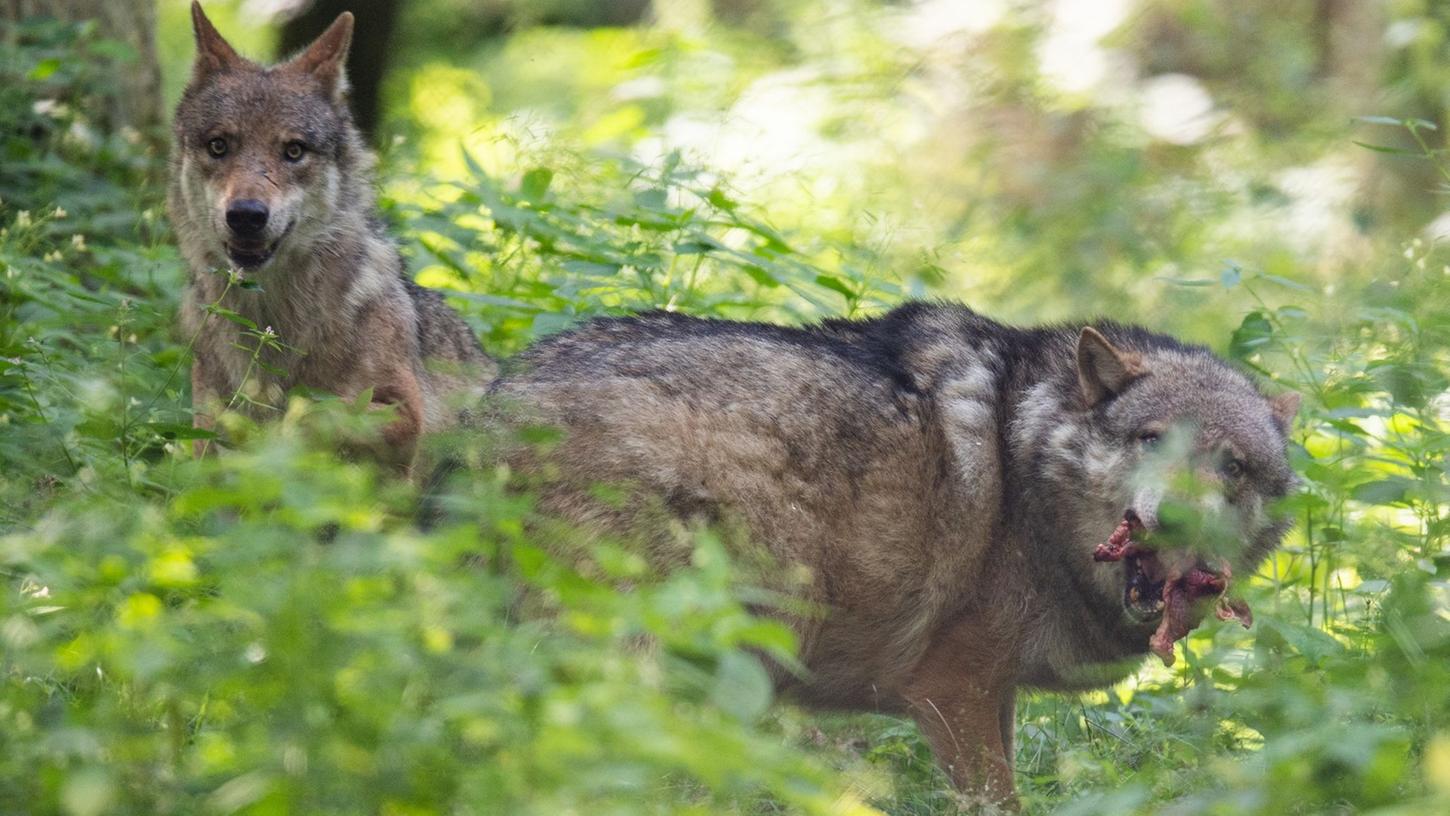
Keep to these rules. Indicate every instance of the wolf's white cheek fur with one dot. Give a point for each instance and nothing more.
(1104, 463)
(312, 207)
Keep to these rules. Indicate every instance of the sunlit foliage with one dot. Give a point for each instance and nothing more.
(270, 631)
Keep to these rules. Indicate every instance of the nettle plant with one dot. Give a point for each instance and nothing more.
(566, 239)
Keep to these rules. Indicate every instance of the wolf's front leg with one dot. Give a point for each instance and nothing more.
(961, 696)
(206, 403)
(400, 437)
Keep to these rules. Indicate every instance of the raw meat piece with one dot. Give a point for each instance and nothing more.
(1180, 592)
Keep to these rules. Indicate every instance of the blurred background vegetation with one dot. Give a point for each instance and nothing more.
(269, 633)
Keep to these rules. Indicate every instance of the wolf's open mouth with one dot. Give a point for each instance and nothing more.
(248, 255)
(1151, 591)
(1143, 576)
(1143, 586)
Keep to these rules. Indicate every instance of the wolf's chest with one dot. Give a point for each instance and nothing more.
(277, 350)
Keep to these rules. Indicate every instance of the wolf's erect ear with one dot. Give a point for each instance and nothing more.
(213, 54)
(1284, 407)
(1102, 368)
(326, 56)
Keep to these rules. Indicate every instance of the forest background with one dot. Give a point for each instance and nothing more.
(269, 631)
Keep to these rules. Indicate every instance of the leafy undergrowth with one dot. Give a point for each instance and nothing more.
(269, 631)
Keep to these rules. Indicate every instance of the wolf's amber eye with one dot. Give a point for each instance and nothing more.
(1232, 468)
(217, 147)
(1148, 439)
(294, 151)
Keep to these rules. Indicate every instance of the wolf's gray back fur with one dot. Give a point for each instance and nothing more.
(926, 467)
(333, 286)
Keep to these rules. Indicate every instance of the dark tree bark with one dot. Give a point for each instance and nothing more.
(367, 60)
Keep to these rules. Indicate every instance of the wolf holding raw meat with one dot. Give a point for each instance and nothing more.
(979, 507)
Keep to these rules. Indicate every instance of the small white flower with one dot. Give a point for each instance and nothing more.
(22, 219)
(60, 212)
(79, 242)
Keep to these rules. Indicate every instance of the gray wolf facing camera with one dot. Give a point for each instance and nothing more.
(270, 178)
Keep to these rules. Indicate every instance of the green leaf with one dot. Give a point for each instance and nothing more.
(1384, 491)
(44, 69)
(176, 430)
(836, 285)
(1394, 151)
(473, 166)
(1380, 120)
(718, 199)
(742, 687)
(1253, 333)
(229, 315)
(1305, 640)
(760, 276)
(1280, 280)
(535, 183)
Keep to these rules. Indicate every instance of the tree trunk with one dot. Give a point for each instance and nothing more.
(367, 59)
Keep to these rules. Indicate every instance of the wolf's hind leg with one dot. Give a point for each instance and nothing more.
(1008, 722)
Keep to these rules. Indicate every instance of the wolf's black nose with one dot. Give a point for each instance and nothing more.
(247, 217)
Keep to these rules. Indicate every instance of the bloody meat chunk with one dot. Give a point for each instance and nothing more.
(1116, 547)
(1180, 592)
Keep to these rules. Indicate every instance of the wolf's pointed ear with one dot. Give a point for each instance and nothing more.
(1102, 368)
(325, 57)
(213, 54)
(1284, 407)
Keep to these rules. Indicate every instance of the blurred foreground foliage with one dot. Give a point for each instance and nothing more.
(268, 631)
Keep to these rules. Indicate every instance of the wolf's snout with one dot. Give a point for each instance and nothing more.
(1145, 519)
(247, 217)
(1135, 521)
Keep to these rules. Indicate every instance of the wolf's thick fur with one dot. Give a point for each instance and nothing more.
(270, 176)
(943, 477)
